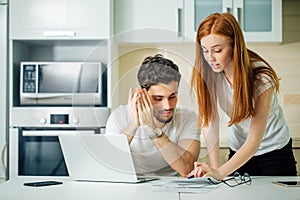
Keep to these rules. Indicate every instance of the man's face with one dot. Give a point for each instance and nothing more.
(164, 99)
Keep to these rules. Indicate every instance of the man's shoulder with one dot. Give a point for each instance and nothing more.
(121, 109)
(185, 113)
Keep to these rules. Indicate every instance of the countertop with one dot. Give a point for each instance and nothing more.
(261, 188)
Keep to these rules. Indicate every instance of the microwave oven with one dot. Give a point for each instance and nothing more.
(62, 83)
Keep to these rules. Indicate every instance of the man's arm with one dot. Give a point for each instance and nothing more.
(129, 131)
(117, 123)
(180, 157)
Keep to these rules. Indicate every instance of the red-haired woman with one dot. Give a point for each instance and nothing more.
(241, 83)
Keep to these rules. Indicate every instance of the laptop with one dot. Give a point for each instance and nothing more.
(99, 157)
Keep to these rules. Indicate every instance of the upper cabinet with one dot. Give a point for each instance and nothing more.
(60, 19)
(260, 20)
(139, 21)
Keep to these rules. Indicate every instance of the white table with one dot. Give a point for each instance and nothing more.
(79, 190)
(261, 188)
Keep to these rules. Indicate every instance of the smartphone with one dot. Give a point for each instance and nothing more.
(42, 183)
(288, 183)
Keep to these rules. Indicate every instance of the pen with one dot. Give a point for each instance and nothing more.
(191, 177)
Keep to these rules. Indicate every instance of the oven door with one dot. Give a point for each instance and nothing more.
(39, 152)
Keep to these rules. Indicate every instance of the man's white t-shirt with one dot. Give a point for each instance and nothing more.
(147, 158)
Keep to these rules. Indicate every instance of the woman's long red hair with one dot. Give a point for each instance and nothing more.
(204, 78)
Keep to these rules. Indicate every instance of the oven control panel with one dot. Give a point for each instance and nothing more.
(59, 119)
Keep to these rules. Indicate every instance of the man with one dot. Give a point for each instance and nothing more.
(163, 140)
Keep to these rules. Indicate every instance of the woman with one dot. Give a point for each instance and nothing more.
(245, 87)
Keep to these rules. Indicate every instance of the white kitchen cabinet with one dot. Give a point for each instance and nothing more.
(138, 21)
(56, 19)
(260, 20)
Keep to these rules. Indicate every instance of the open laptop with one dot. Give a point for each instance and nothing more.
(99, 157)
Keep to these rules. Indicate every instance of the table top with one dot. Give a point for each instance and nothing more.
(261, 188)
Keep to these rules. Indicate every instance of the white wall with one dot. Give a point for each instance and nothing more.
(132, 56)
(285, 58)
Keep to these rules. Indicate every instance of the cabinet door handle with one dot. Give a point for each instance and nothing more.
(238, 6)
(59, 33)
(227, 6)
(179, 22)
(54, 132)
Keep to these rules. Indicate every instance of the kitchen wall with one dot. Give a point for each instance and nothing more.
(130, 58)
(284, 57)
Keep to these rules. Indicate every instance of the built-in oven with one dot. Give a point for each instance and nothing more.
(40, 154)
(34, 148)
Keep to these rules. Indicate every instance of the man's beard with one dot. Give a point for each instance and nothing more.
(161, 120)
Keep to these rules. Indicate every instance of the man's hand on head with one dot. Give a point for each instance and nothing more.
(132, 107)
(145, 109)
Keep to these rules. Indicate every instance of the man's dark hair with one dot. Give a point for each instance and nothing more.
(157, 69)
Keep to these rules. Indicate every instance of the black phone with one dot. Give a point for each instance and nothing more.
(288, 183)
(42, 183)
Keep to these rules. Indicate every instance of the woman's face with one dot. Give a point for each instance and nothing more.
(217, 52)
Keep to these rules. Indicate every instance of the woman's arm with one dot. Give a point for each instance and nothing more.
(255, 135)
(211, 136)
(249, 148)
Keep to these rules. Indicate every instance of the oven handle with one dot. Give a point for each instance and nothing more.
(55, 132)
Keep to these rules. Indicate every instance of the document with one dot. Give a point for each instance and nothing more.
(194, 185)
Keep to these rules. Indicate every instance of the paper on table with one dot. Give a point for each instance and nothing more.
(195, 185)
(202, 181)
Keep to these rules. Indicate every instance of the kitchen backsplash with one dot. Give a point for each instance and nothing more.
(291, 99)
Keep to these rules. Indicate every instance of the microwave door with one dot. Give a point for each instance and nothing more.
(70, 83)
(59, 83)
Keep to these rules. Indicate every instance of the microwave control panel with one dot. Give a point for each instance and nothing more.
(29, 78)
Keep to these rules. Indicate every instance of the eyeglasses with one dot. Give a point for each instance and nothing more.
(235, 180)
